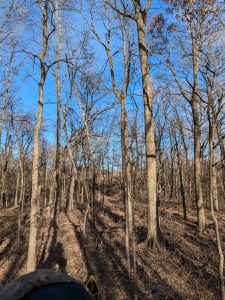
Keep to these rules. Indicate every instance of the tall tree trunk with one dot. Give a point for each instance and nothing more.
(21, 200)
(197, 140)
(32, 255)
(182, 185)
(222, 151)
(16, 200)
(213, 121)
(6, 95)
(140, 17)
(71, 191)
(212, 204)
(93, 198)
(46, 187)
(4, 170)
(74, 169)
(126, 182)
(172, 173)
(197, 171)
(58, 95)
(214, 183)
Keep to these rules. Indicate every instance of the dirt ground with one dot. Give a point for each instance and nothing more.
(183, 266)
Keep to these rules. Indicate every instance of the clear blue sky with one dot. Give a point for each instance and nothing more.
(29, 89)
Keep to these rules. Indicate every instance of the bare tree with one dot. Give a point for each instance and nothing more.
(32, 256)
(140, 17)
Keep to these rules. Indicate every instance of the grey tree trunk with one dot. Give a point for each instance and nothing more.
(58, 95)
(71, 191)
(140, 18)
(16, 200)
(197, 169)
(197, 139)
(32, 255)
(212, 204)
(182, 185)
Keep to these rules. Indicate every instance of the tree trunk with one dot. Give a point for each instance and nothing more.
(46, 185)
(197, 141)
(127, 191)
(17, 189)
(140, 18)
(222, 151)
(4, 170)
(32, 256)
(6, 94)
(71, 191)
(216, 224)
(197, 171)
(214, 183)
(182, 185)
(93, 200)
(58, 95)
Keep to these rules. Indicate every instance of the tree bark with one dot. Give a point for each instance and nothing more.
(182, 185)
(17, 189)
(212, 204)
(140, 17)
(32, 256)
(197, 141)
(58, 95)
(71, 191)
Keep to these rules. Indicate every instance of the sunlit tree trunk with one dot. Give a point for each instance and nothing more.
(140, 17)
(6, 95)
(32, 255)
(197, 140)
(212, 205)
(16, 200)
(58, 95)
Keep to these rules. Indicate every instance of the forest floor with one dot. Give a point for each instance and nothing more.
(183, 266)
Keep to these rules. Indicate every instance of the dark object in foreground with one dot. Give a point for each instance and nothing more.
(45, 285)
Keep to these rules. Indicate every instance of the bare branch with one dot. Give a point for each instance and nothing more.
(123, 13)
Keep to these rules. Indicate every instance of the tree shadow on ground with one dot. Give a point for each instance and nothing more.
(112, 215)
(109, 274)
(44, 245)
(195, 268)
(8, 249)
(154, 286)
(55, 259)
(107, 263)
(18, 259)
